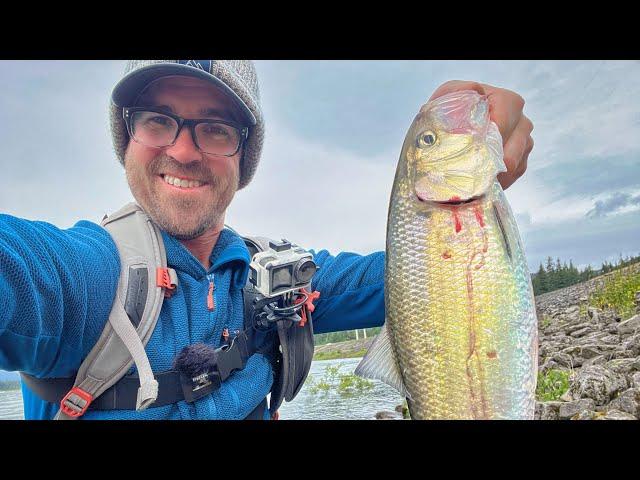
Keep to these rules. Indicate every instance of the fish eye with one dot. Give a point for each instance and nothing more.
(426, 139)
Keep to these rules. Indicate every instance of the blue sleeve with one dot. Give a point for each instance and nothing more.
(56, 291)
(351, 290)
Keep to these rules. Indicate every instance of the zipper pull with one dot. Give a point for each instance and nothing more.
(210, 303)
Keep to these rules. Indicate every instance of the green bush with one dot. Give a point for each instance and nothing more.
(618, 293)
(552, 385)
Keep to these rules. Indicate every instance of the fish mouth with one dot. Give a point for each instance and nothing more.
(452, 202)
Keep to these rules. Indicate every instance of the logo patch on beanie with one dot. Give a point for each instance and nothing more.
(204, 65)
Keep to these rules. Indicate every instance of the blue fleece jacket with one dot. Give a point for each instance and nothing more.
(57, 287)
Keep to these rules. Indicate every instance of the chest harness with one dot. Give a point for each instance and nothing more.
(280, 328)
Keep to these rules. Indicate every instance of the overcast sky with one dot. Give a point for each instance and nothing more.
(334, 132)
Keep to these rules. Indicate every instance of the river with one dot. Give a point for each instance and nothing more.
(323, 405)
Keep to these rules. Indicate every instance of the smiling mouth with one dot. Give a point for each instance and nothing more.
(181, 182)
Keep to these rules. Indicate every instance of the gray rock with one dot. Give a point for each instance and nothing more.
(621, 365)
(593, 313)
(597, 383)
(387, 415)
(581, 332)
(548, 410)
(633, 345)
(610, 339)
(599, 360)
(568, 410)
(630, 326)
(563, 359)
(566, 396)
(548, 365)
(635, 380)
(628, 401)
(577, 327)
(589, 351)
(585, 415)
(623, 354)
(616, 415)
(572, 311)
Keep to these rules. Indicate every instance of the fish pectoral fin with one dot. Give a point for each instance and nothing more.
(380, 364)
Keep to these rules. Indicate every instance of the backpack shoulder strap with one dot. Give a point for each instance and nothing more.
(135, 311)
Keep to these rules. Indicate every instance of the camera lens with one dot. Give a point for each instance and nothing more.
(304, 270)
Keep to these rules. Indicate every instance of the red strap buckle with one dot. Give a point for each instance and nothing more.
(163, 279)
(76, 402)
(308, 304)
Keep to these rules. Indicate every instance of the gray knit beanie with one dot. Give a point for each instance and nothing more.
(237, 78)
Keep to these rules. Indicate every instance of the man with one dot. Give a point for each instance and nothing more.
(189, 135)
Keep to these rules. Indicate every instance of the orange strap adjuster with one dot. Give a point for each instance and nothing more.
(163, 279)
(308, 304)
(76, 402)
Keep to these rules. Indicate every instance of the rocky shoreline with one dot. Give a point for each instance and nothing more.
(597, 351)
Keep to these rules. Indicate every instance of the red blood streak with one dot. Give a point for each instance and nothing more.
(479, 217)
(457, 220)
(455, 199)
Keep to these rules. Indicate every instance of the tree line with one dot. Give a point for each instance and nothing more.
(555, 275)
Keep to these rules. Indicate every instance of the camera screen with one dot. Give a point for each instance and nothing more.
(281, 278)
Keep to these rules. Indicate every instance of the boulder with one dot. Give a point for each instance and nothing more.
(581, 332)
(635, 380)
(568, 410)
(597, 383)
(563, 359)
(628, 401)
(585, 415)
(615, 415)
(631, 325)
(599, 360)
(621, 365)
(547, 410)
(387, 415)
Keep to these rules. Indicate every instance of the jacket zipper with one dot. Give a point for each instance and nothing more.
(210, 301)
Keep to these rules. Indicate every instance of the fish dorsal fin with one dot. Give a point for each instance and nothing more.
(380, 363)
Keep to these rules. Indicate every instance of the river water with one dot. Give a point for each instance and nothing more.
(332, 404)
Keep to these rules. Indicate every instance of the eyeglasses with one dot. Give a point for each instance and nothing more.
(159, 129)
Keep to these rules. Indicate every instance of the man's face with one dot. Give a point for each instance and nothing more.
(184, 212)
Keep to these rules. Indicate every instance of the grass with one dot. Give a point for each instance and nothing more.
(618, 293)
(345, 384)
(552, 385)
(546, 320)
(332, 355)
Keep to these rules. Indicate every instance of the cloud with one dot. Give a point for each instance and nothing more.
(612, 204)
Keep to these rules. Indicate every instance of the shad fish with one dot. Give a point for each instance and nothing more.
(460, 336)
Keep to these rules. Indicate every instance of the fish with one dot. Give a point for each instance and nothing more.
(460, 334)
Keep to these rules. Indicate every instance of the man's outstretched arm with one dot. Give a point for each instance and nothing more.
(56, 291)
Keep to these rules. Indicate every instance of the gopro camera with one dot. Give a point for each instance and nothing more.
(281, 268)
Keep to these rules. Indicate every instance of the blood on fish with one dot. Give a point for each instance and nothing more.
(446, 255)
(492, 354)
(479, 216)
(457, 221)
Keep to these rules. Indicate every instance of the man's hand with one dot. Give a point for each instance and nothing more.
(505, 109)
